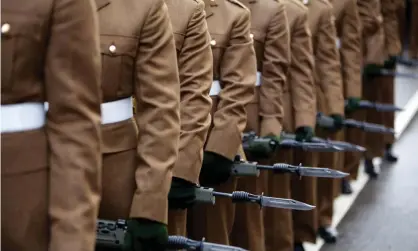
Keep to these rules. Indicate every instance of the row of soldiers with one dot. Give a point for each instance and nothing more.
(201, 73)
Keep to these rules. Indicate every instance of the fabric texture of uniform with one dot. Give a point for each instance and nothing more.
(43, 208)
(413, 33)
(194, 58)
(234, 66)
(140, 63)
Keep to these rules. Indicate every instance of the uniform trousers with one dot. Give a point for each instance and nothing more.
(413, 33)
(25, 178)
(354, 136)
(278, 226)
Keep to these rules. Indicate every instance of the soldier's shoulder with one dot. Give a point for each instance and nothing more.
(298, 4)
(237, 3)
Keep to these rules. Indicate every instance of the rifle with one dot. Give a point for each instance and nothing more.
(341, 144)
(244, 168)
(327, 122)
(207, 195)
(365, 104)
(251, 142)
(407, 62)
(385, 72)
(111, 235)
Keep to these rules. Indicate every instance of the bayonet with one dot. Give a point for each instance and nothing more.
(244, 168)
(183, 243)
(365, 104)
(207, 195)
(385, 72)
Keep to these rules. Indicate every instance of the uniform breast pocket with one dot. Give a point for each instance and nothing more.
(118, 64)
(219, 43)
(21, 47)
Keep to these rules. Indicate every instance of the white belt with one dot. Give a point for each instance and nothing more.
(114, 111)
(216, 86)
(22, 117)
(338, 43)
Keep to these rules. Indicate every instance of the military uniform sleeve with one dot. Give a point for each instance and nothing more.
(157, 92)
(301, 74)
(350, 51)
(238, 76)
(196, 74)
(72, 77)
(275, 66)
(327, 63)
(370, 18)
(391, 26)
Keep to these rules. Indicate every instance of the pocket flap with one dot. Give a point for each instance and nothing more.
(118, 45)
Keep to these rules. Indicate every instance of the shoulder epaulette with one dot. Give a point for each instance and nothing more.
(236, 2)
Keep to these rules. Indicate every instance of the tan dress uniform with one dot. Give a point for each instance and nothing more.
(348, 27)
(194, 58)
(234, 75)
(139, 62)
(270, 34)
(413, 33)
(394, 48)
(374, 52)
(300, 108)
(329, 94)
(50, 166)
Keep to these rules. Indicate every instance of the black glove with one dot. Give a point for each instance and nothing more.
(353, 104)
(390, 63)
(338, 122)
(264, 147)
(304, 134)
(145, 235)
(216, 169)
(371, 70)
(182, 194)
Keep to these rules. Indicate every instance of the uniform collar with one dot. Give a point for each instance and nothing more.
(102, 3)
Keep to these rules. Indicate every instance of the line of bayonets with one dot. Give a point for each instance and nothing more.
(111, 234)
(407, 62)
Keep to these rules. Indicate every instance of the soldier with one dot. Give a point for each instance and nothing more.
(270, 34)
(50, 180)
(374, 55)
(330, 101)
(299, 113)
(139, 62)
(413, 33)
(234, 74)
(348, 28)
(194, 58)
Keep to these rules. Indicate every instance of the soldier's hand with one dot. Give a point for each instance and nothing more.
(264, 147)
(304, 134)
(182, 194)
(353, 104)
(390, 63)
(216, 169)
(372, 70)
(338, 122)
(145, 235)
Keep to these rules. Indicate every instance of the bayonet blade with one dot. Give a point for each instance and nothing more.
(284, 203)
(321, 172)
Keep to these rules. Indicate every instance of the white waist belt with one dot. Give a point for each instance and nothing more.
(114, 111)
(22, 117)
(216, 86)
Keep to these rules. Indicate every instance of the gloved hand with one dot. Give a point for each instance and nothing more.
(372, 70)
(182, 194)
(262, 148)
(353, 104)
(304, 134)
(216, 169)
(145, 235)
(338, 122)
(390, 63)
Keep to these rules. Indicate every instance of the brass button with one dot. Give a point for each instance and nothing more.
(213, 42)
(251, 35)
(112, 48)
(305, 2)
(5, 28)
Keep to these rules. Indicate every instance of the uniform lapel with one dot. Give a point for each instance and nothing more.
(101, 4)
(208, 7)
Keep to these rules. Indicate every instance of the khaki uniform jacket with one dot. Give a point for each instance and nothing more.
(270, 34)
(138, 53)
(391, 26)
(329, 87)
(234, 66)
(300, 97)
(349, 44)
(41, 61)
(194, 58)
(373, 45)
